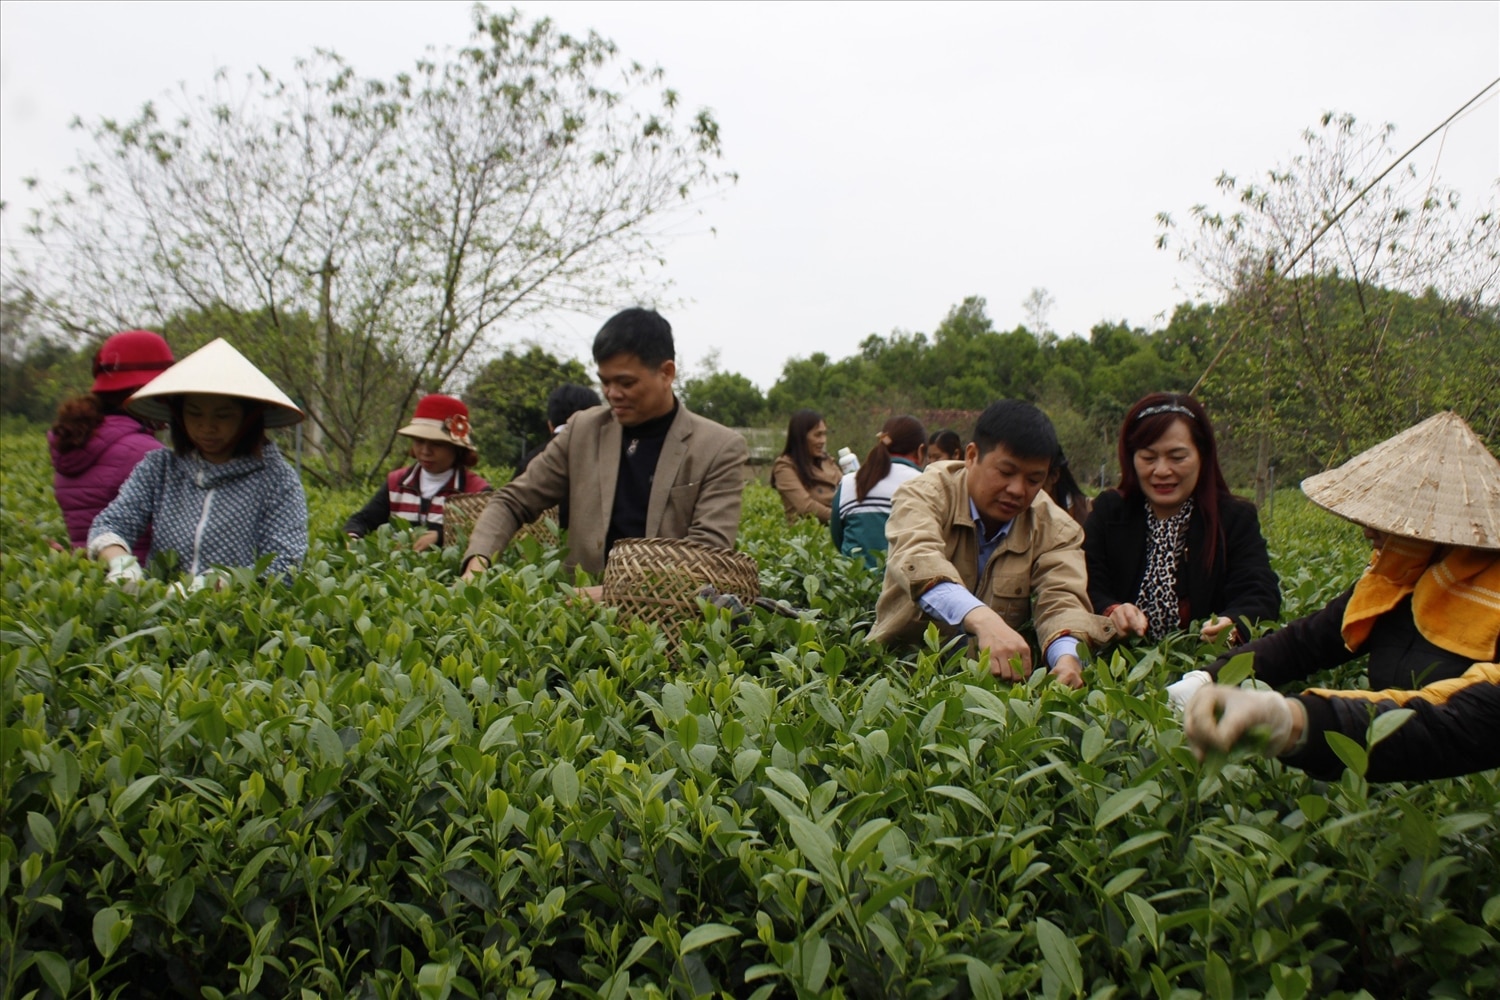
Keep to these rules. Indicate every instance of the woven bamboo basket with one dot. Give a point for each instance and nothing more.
(461, 510)
(657, 580)
(544, 529)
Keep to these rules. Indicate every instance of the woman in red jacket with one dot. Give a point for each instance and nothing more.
(95, 443)
(444, 453)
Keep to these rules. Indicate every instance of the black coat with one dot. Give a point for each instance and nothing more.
(1452, 732)
(1400, 656)
(1457, 712)
(1240, 584)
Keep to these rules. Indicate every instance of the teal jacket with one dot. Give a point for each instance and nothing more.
(858, 526)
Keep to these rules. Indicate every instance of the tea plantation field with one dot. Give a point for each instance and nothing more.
(372, 783)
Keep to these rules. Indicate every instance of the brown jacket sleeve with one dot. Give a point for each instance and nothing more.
(925, 548)
(522, 500)
(1037, 573)
(1059, 579)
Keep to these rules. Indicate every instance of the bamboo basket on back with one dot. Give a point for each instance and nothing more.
(657, 580)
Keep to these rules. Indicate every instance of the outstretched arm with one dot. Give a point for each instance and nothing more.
(117, 526)
(1451, 731)
(371, 516)
(1300, 649)
(541, 487)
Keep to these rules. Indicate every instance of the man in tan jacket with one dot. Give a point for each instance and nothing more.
(977, 546)
(641, 466)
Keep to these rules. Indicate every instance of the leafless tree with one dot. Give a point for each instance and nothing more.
(362, 238)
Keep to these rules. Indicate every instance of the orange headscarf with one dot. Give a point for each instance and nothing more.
(1455, 595)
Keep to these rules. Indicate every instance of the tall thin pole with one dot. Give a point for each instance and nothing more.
(1336, 217)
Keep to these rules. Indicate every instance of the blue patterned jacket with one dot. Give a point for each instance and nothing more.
(210, 515)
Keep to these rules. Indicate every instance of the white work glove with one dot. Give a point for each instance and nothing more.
(1219, 718)
(124, 569)
(1180, 693)
(192, 587)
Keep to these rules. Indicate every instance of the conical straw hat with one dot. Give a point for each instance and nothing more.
(219, 369)
(1436, 482)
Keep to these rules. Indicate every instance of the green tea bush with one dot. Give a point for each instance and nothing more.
(376, 782)
(1316, 554)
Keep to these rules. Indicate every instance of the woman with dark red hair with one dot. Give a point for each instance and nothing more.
(95, 443)
(1171, 544)
(444, 453)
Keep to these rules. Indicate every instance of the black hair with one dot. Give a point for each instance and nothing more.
(252, 437)
(1065, 489)
(903, 435)
(1023, 429)
(568, 399)
(642, 332)
(797, 429)
(1145, 423)
(948, 441)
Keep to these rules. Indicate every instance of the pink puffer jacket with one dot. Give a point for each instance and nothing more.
(88, 478)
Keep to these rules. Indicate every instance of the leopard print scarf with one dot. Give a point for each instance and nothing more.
(1165, 547)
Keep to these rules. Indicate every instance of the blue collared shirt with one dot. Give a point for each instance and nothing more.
(950, 602)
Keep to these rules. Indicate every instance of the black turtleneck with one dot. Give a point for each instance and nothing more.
(640, 450)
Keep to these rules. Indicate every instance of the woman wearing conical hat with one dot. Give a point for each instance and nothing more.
(1426, 612)
(442, 449)
(221, 495)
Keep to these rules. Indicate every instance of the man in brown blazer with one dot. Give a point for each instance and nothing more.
(641, 466)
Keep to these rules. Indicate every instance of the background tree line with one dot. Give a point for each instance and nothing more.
(1434, 354)
(1338, 301)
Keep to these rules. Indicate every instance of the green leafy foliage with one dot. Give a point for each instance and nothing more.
(1085, 385)
(374, 781)
(728, 397)
(1263, 403)
(508, 400)
(1352, 299)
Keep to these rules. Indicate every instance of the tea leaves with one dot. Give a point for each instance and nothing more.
(371, 782)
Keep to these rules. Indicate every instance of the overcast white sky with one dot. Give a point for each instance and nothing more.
(893, 157)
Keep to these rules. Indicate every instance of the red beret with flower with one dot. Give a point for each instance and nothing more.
(441, 418)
